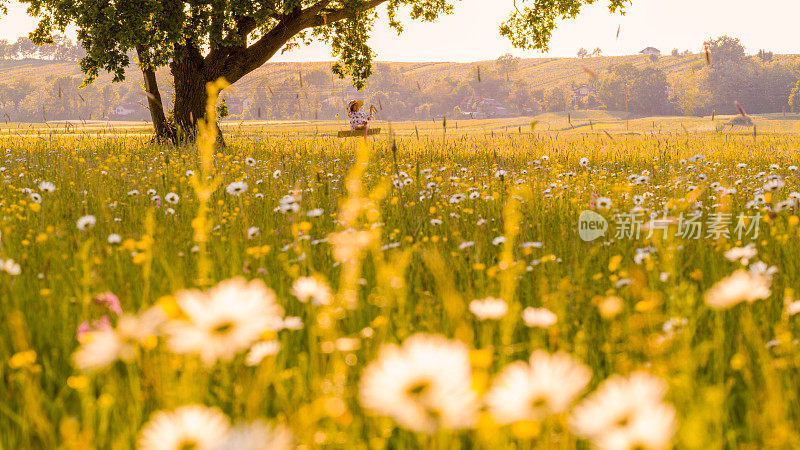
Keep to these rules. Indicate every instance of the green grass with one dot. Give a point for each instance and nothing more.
(728, 387)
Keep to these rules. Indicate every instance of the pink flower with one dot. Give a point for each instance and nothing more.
(591, 202)
(110, 301)
(97, 325)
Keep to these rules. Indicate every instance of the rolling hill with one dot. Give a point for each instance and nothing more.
(312, 84)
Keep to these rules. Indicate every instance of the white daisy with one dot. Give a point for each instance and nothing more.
(740, 286)
(172, 198)
(10, 267)
(86, 223)
(489, 308)
(465, 245)
(291, 323)
(47, 186)
(457, 198)
(547, 385)
(310, 288)
(253, 232)
(103, 346)
(603, 203)
(626, 413)
(261, 350)
(742, 254)
(315, 212)
(424, 385)
(792, 308)
(100, 348)
(257, 435)
(539, 317)
(192, 426)
(223, 321)
(763, 269)
(236, 188)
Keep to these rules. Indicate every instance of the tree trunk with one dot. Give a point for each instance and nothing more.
(154, 102)
(190, 90)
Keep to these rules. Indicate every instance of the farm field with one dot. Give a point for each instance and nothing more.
(536, 283)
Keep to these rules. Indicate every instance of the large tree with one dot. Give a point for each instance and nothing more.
(203, 40)
(644, 91)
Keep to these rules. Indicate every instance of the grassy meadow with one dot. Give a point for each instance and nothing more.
(426, 290)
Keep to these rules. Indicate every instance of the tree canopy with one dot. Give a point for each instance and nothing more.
(531, 26)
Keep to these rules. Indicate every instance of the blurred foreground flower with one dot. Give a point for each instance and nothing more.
(626, 413)
(310, 288)
(424, 385)
(102, 345)
(10, 267)
(223, 321)
(740, 286)
(257, 435)
(489, 308)
(193, 426)
(539, 317)
(547, 385)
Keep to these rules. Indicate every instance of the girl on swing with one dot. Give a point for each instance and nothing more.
(358, 119)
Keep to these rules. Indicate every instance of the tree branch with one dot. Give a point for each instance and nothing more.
(335, 15)
(243, 61)
(244, 26)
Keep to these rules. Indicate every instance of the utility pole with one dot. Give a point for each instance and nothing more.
(627, 110)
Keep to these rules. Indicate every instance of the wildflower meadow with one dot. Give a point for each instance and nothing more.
(400, 291)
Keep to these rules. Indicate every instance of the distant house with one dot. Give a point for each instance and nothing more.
(584, 90)
(125, 110)
(481, 108)
(489, 107)
(651, 51)
(585, 95)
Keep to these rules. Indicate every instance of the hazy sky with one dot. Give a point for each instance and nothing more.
(471, 34)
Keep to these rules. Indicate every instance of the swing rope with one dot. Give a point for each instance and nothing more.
(367, 131)
(336, 100)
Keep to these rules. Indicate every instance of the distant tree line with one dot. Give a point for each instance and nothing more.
(62, 49)
(760, 83)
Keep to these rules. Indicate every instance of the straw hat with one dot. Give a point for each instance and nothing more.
(357, 103)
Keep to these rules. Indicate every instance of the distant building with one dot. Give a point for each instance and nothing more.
(481, 108)
(125, 109)
(490, 107)
(651, 51)
(585, 96)
(584, 90)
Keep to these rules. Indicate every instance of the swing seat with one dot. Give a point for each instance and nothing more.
(359, 133)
